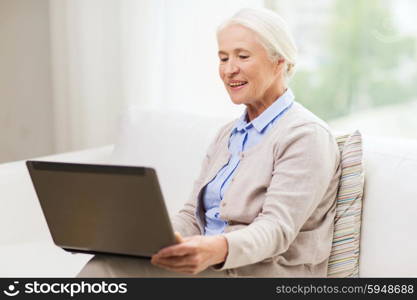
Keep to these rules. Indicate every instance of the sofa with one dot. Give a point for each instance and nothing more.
(174, 143)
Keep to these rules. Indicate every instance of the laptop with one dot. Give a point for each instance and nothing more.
(111, 209)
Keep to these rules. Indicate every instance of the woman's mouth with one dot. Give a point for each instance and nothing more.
(237, 85)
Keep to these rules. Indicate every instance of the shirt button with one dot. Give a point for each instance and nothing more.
(223, 204)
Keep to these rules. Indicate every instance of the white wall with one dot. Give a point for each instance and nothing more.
(69, 67)
(25, 80)
(86, 72)
(170, 52)
(60, 76)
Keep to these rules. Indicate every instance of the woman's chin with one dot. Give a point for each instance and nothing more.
(237, 101)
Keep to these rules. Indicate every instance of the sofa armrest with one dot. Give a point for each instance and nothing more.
(92, 155)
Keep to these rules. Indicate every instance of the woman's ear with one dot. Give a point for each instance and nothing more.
(279, 64)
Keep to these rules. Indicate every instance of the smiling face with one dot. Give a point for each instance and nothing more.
(248, 74)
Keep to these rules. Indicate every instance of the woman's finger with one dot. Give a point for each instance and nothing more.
(178, 261)
(178, 238)
(179, 269)
(177, 250)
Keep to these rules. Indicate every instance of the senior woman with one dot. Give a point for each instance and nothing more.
(264, 203)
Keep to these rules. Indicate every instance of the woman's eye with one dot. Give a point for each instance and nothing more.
(224, 59)
(243, 56)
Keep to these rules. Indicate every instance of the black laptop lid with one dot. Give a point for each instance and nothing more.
(102, 208)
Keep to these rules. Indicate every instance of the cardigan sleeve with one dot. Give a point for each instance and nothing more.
(305, 162)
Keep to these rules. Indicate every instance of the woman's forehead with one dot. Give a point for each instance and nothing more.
(237, 38)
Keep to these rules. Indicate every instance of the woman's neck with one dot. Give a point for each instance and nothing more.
(258, 107)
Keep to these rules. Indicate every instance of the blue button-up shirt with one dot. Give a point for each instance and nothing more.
(244, 136)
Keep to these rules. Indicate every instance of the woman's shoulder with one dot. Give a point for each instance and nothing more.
(300, 126)
(299, 117)
(302, 130)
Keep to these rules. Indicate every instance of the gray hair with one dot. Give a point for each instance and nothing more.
(273, 33)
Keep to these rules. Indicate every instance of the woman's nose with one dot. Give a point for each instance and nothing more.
(231, 68)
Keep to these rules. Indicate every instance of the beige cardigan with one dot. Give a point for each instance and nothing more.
(280, 205)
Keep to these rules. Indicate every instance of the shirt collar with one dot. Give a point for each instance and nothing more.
(266, 117)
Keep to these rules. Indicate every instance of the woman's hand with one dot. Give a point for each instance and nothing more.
(192, 254)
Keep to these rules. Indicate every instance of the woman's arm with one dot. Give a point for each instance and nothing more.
(184, 222)
(303, 170)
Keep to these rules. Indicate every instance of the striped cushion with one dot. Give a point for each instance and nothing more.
(344, 256)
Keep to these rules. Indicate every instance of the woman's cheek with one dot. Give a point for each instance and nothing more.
(221, 73)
